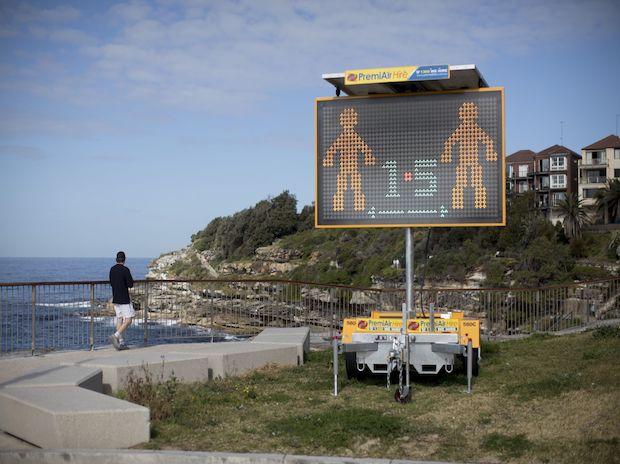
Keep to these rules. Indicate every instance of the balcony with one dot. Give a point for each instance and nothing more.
(593, 163)
(594, 180)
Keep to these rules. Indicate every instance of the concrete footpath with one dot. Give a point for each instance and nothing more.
(58, 401)
(179, 457)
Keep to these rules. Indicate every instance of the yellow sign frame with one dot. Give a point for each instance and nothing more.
(502, 157)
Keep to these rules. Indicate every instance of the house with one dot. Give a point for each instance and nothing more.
(600, 161)
(520, 172)
(555, 178)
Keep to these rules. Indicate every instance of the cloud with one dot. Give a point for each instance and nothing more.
(20, 152)
(231, 56)
(23, 12)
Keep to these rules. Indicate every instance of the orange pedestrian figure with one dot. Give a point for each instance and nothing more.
(467, 135)
(349, 143)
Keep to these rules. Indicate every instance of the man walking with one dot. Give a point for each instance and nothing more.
(121, 281)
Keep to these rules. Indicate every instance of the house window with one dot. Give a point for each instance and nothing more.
(590, 193)
(544, 182)
(617, 153)
(558, 163)
(510, 170)
(557, 197)
(616, 172)
(596, 157)
(543, 201)
(523, 170)
(544, 165)
(558, 181)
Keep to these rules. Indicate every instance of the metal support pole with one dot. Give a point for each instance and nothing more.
(335, 348)
(409, 279)
(34, 320)
(91, 326)
(470, 364)
(431, 317)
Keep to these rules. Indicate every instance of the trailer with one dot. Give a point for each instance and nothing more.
(374, 345)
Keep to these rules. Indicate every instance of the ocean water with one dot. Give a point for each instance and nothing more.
(65, 269)
(61, 315)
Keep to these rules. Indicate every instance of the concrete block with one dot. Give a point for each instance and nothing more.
(134, 457)
(192, 363)
(78, 376)
(34, 456)
(72, 417)
(261, 355)
(292, 459)
(9, 442)
(187, 367)
(299, 336)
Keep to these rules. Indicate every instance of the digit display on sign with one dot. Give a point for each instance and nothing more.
(416, 160)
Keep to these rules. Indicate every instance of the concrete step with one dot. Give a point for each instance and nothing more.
(71, 417)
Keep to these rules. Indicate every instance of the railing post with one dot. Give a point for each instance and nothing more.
(335, 364)
(307, 311)
(331, 318)
(34, 320)
(211, 311)
(145, 316)
(91, 325)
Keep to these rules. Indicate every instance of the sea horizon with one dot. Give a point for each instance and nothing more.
(65, 269)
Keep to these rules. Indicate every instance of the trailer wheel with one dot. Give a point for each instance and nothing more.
(402, 399)
(350, 362)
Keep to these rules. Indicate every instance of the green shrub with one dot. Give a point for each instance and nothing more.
(585, 272)
(607, 331)
(156, 394)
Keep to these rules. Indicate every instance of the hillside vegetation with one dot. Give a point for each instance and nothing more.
(529, 251)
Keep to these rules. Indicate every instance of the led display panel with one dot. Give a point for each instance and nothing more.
(411, 160)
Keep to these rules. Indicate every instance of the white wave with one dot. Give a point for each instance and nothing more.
(68, 304)
(110, 320)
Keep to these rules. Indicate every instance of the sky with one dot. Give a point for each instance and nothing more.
(130, 125)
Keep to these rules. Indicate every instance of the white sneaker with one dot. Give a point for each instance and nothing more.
(115, 342)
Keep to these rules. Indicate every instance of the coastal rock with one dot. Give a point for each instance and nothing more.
(363, 298)
(275, 254)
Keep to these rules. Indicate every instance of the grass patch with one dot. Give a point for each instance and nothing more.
(507, 446)
(337, 428)
(540, 399)
(549, 386)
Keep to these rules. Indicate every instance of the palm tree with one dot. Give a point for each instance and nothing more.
(608, 200)
(572, 210)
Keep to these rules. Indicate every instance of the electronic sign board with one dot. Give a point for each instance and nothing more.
(411, 160)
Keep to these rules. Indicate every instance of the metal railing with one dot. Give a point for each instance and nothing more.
(594, 179)
(594, 162)
(46, 316)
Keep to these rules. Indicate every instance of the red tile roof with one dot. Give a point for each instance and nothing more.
(611, 141)
(556, 150)
(520, 156)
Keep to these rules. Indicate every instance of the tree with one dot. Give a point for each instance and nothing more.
(608, 200)
(574, 214)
